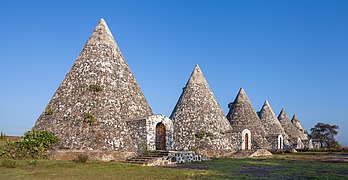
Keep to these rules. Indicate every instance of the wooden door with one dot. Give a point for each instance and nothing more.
(246, 141)
(160, 137)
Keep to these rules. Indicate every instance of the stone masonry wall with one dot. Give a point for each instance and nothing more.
(138, 132)
(178, 157)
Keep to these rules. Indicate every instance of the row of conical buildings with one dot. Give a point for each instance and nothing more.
(99, 106)
(197, 111)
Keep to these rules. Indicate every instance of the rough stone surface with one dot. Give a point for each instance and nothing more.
(261, 152)
(243, 116)
(99, 93)
(299, 128)
(138, 132)
(199, 122)
(177, 157)
(68, 155)
(290, 129)
(307, 143)
(272, 126)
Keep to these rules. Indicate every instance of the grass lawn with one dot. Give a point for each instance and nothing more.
(12, 138)
(2, 142)
(288, 166)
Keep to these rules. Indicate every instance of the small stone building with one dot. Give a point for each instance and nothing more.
(243, 118)
(276, 134)
(152, 133)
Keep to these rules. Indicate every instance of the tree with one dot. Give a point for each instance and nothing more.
(325, 135)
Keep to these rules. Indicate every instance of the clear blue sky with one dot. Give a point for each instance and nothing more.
(293, 53)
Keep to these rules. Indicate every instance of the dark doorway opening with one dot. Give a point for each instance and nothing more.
(160, 137)
(246, 141)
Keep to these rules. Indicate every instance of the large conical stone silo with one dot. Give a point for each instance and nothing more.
(276, 134)
(199, 122)
(98, 95)
(243, 118)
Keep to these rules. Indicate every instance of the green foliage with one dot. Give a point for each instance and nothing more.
(2, 135)
(201, 134)
(95, 88)
(9, 163)
(48, 111)
(89, 118)
(32, 145)
(81, 158)
(325, 135)
(32, 162)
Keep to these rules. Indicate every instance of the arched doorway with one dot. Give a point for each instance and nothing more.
(160, 136)
(280, 142)
(246, 141)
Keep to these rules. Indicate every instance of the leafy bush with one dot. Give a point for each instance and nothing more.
(95, 88)
(89, 118)
(32, 145)
(201, 134)
(48, 111)
(9, 163)
(81, 158)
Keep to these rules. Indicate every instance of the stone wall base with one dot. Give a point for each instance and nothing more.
(217, 153)
(261, 152)
(177, 157)
(96, 155)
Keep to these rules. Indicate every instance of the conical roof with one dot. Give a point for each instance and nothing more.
(270, 121)
(289, 128)
(299, 127)
(197, 113)
(243, 116)
(296, 122)
(96, 97)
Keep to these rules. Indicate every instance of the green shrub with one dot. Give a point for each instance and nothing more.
(201, 134)
(9, 163)
(48, 111)
(89, 118)
(81, 158)
(95, 88)
(32, 145)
